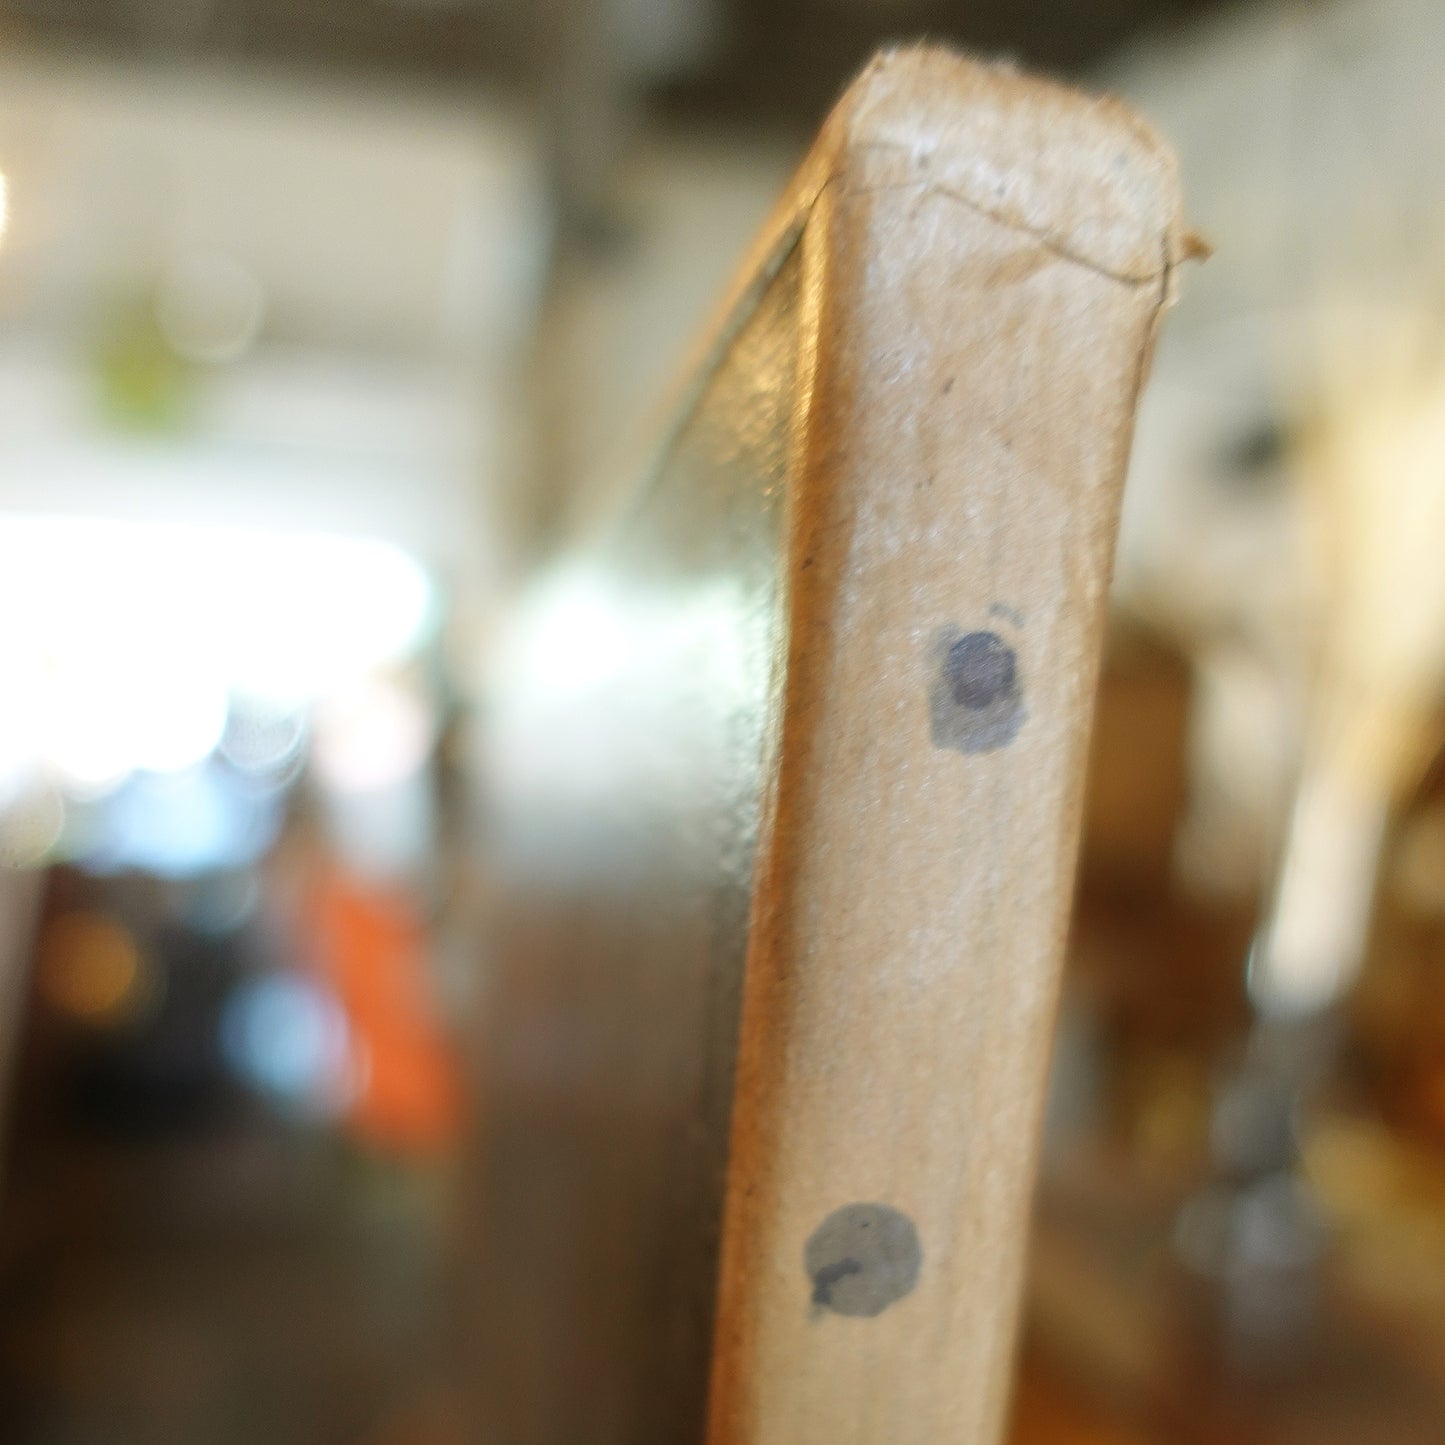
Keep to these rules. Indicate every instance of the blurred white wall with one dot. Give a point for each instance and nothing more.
(377, 245)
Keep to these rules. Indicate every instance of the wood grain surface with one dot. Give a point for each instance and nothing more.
(805, 722)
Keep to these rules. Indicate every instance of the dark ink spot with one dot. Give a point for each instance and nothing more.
(976, 701)
(828, 1276)
(948, 386)
(861, 1259)
(981, 669)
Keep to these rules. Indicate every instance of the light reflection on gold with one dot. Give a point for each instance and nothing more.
(91, 968)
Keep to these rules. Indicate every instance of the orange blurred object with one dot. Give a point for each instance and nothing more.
(369, 945)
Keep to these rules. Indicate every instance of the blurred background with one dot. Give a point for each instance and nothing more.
(315, 319)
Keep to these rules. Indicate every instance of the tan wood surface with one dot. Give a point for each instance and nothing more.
(806, 722)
